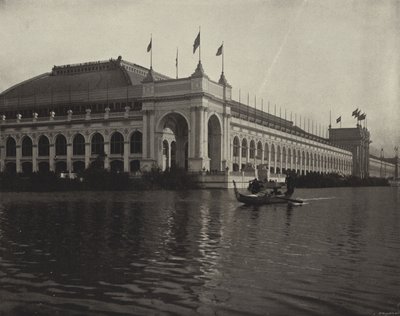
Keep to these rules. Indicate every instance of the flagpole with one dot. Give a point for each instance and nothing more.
(248, 106)
(262, 111)
(239, 104)
(223, 56)
(151, 51)
(255, 110)
(200, 45)
(176, 63)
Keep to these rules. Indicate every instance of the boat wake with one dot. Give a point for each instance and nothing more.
(319, 198)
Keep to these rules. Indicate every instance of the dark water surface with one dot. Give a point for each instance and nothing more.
(199, 252)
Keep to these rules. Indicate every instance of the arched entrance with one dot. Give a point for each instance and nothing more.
(11, 168)
(78, 166)
(173, 128)
(43, 167)
(61, 166)
(26, 168)
(214, 143)
(117, 166)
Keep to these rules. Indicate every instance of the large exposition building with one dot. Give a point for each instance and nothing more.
(130, 118)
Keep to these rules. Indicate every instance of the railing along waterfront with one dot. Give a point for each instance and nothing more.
(73, 117)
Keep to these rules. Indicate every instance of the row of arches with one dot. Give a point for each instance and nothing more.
(96, 142)
(280, 158)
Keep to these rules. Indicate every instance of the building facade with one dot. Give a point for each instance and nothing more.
(129, 118)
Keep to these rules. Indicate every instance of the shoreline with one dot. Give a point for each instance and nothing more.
(102, 180)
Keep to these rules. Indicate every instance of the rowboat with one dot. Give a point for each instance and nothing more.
(264, 197)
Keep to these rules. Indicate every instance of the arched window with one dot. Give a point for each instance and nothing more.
(61, 145)
(117, 143)
(244, 148)
(136, 143)
(26, 147)
(10, 147)
(78, 145)
(284, 156)
(43, 146)
(135, 165)
(259, 150)
(266, 151)
(278, 154)
(252, 149)
(272, 153)
(294, 158)
(236, 147)
(97, 144)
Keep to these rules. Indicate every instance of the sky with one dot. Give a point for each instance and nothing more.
(310, 57)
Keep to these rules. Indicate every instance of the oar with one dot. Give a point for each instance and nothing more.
(289, 200)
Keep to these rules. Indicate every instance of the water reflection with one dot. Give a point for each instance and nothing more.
(198, 252)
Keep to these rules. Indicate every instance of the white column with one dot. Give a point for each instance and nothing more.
(269, 160)
(240, 155)
(152, 136)
(107, 155)
(145, 141)
(204, 125)
(34, 157)
(51, 157)
(69, 157)
(262, 153)
(18, 155)
(126, 155)
(193, 133)
(169, 154)
(88, 153)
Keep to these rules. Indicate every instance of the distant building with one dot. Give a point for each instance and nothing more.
(128, 118)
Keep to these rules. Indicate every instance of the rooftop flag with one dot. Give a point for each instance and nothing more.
(149, 49)
(176, 63)
(339, 119)
(362, 117)
(196, 43)
(220, 49)
(149, 46)
(354, 113)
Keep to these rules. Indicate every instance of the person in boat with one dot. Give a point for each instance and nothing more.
(254, 186)
(290, 183)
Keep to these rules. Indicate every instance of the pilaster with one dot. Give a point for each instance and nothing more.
(51, 157)
(69, 157)
(126, 156)
(34, 158)
(88, 153)
(107, 155)
(18, 155)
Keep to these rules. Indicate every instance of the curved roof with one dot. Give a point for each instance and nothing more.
(82, 77)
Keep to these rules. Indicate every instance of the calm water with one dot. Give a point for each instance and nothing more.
(199, 252)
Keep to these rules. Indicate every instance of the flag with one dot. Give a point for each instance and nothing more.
(354, 113)
(362, 117)
(149, 46)
(219, 51)
(339, 119)
(196, 43)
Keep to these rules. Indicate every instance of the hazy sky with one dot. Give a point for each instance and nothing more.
(309, 57)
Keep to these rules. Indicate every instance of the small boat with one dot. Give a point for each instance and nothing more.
(264, 197)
